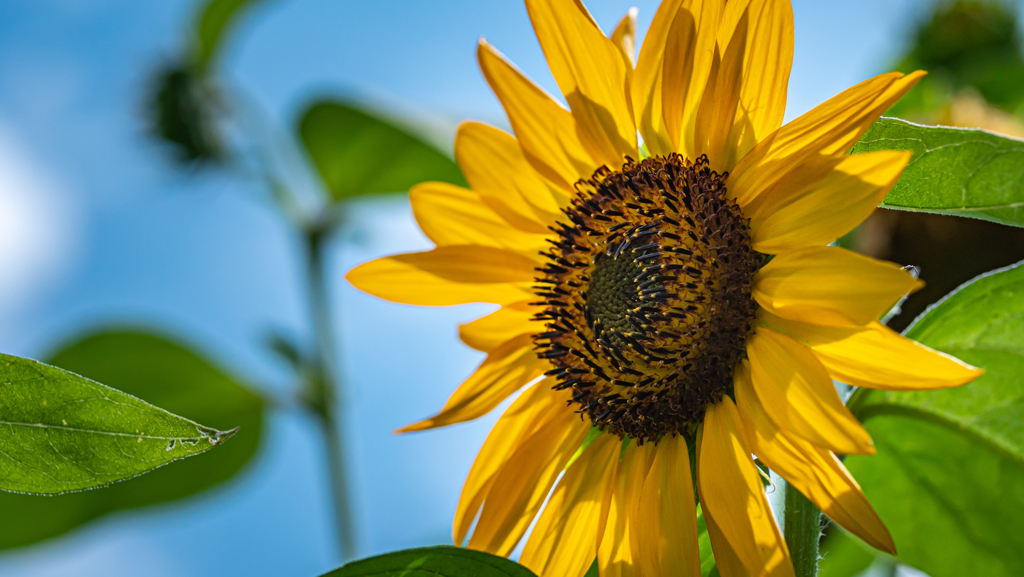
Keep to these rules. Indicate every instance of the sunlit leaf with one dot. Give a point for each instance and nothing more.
(358, 153)
(215, 21)
(954, 171)
(170, 376)
(433, 562)
(948, 479)
(66, 433)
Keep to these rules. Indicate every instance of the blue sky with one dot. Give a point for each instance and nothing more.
(96, 228)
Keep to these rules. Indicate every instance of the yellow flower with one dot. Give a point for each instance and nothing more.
(680, 313)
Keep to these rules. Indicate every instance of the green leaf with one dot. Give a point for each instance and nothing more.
(358, 153)
(958, 171)
(170, 376)
(948, 479)
(66, 433)
(433, 562)
(214, 24)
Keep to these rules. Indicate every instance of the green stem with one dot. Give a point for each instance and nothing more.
(802, 523)
(328, 400)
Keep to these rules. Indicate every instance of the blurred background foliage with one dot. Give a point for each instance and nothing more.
(351, 152)
(202, 124)
(972, 52)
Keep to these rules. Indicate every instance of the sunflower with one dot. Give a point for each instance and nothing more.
(670, 309)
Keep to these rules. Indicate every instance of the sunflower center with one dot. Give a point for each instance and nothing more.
(612, 292)
(647, 295)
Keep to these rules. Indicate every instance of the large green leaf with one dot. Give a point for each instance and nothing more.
(66, 433)
(948, 479)
(358, 153)
(433, 562)
(956, 171)
(215, 20)
(166, 374)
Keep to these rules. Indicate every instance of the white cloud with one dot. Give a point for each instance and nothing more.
(38, 225)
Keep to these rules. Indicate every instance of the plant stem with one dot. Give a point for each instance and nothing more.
(327, 395)
(802, 524)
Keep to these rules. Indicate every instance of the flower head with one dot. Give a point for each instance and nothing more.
(672, 312)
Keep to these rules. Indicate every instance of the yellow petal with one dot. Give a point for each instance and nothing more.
(524, 481)
(505, 370)
(449, 275)
(667, 514)
(647, 82)
(688, 60)
(452, 215)
(813, 471)
(488, 332)
(828, 130)
(614, 555)
(726, 560)
(564, 542)
(546, 132)
(531, 411)
(644, 455)
(624, 36)
(877, 357)
(593, 77)
(829, 285)
(731, 492)
(829, 209)
(745, 98)
(798, 394)
(496, 168)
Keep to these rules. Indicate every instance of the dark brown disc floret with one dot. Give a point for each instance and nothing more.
(647, 296)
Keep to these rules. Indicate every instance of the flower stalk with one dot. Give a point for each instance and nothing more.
(802, 525)
(327, 398)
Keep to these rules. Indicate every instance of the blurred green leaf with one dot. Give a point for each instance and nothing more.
(433, 562)
(843, 556)
(948, 479)
(357, 153)
(954, 171)
(172, 377)
(214, 25)
(182, 113)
